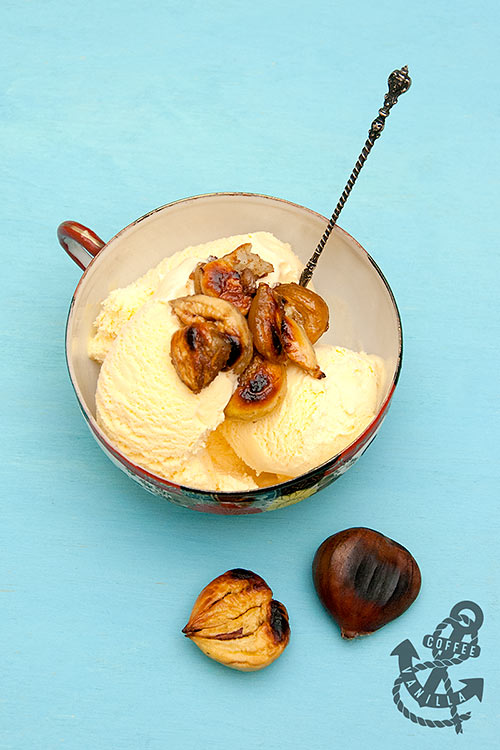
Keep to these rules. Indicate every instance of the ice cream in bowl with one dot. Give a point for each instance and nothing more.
(207, 373)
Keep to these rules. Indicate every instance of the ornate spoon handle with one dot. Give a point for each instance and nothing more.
(399, 82)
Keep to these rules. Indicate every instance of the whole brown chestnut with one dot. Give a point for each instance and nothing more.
(364, 579)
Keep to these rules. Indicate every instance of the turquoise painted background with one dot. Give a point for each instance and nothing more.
(111, 109)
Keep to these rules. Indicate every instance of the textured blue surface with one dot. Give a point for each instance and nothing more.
(111, 109)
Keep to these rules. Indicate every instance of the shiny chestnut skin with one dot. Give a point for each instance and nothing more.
(364, 580)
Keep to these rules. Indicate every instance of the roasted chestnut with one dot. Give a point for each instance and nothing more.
(296, 344)
(264, 321)
(243, 259)
(236, 621)
(279, 327)
(306, 307)
(364, 579)
(261, 387)
(198, 353)
(232, 277)
(200, 308)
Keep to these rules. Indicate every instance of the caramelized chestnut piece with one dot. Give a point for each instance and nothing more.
(218, 279)
(309, 309)
(197, 274)
(200, 308)
(232, 277)
(364, 579)
(243, 259)
(279, 331)
(199, 352)
(264, 321)
(261, 387)
(297, 346)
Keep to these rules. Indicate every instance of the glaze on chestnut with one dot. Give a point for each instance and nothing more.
(264, 321)
(232, 277)
(261, 387)
(198, 353)
(310, 310)
(364, 580)
(278, 326)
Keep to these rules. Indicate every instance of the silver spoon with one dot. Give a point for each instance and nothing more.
(399, 81)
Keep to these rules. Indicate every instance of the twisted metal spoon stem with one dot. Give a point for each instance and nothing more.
(399, 81)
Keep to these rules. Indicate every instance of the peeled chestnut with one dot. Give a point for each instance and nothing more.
(279, 327)
(264, 321)
(297, 345)
(243, 259)
(200, 308)
(261, 387)
(198, 353)
(364, 580)
(218, 279)
(236, 621)
(232, 277)
(309, 309)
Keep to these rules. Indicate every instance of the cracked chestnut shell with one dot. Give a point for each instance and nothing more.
(236, 622)
(364, 580)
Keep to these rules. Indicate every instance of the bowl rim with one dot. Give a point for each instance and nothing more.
(253, 494)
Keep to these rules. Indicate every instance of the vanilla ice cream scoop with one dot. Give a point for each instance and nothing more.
(143, 406)
(218, 468)
(317, 418)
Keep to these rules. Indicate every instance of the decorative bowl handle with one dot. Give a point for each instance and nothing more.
(81, 243)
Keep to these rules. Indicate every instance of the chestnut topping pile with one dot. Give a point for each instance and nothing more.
(283, 324)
